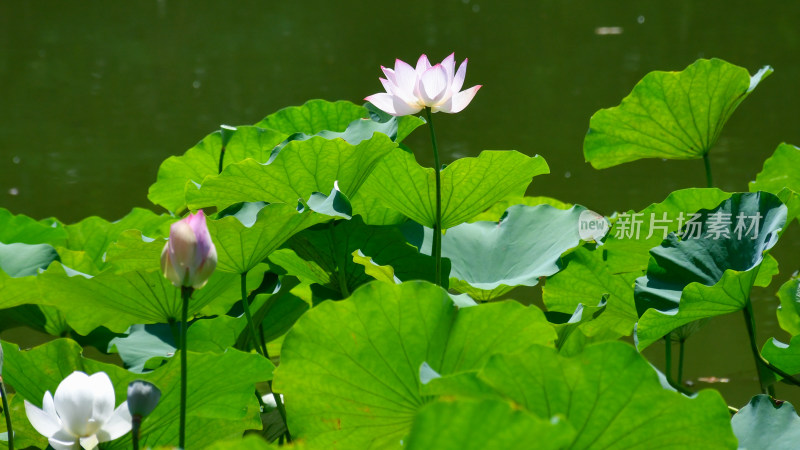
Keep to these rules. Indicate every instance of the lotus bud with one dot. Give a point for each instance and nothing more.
(142, 398)
(189, 257)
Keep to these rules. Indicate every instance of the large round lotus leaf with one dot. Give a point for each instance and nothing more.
(710, 269)
(300, 169)
(525, 245)
(469, 185)
(25, 230)
(314, 116)
(350, 369)
(465, 424)
(612, 397)
(220, 399)
(672, 115)
(762, 424)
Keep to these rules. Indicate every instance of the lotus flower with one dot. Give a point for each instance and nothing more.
(189, 258)
(409, 90)
(82, 413)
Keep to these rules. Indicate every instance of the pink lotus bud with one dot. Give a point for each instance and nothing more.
(189, 257)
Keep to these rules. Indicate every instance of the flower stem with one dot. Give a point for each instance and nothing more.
(136, 424)
(680, 361)
(709, 179)
(341, 273)
(750, 324)
(257, 343)
(261, 347)
(437, 225)
(186, 293)
(7, 413)
(668, 357)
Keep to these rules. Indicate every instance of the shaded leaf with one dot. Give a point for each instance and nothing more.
(762, 424)
(709, 270)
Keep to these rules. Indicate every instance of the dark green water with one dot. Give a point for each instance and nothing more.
(95, 95)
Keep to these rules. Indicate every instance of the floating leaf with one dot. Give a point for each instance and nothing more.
(481, 424)
(362, 356)
(300, 169)
(469, 185)
(672, 115)
(763, 424)
(710, 269)
(220, 399)
(611, 396)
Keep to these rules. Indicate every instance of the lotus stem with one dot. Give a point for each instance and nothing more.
(261, 347)
(680, 361)
(340, 263)
(437, 225)
(750, 324)
(668, 357)
(186, 293)
(258, 344)
(7, 413)
(709, 178)
(136, 424)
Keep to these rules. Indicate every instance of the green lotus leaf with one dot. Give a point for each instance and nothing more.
(314, 116)
(711, 268)
(465, 424)
(491, 258)
(469, 185)
(145, 347)
(789, 310)
(25, 230)
(334, 204)
(132, 251)
(22, 260)
(94, 235)
(496, 212)
(119, 300)
(785, 356)
(362, 356)
(220, 399)
(324, 255)
(243, 242)
(585, 279)
(248, 442)
(763, 424)
(373, 212)
(672, 115)
(627, 244)
(375, 270)
(611, 396)
(779, 177)
(177, 173)
(579, 329)
(300, 169)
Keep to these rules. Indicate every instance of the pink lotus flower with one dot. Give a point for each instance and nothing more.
(189, 257)
(409, 90)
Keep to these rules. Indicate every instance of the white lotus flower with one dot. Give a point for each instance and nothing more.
(82, 413)
(409, 89)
